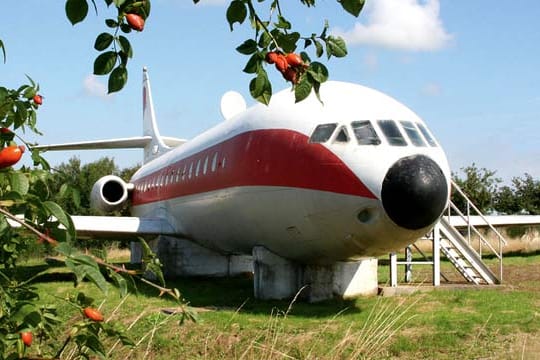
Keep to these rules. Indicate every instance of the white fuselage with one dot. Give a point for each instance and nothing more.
(257, 179)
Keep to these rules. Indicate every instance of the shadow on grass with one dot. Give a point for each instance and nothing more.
(230, 293)
(233, 292)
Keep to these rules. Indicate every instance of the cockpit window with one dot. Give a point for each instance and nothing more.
(342, 136)
(392, 133)
(412, 133)
(365, 133)
(431, 141)
(322, 133)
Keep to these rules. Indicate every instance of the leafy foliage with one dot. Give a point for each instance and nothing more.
(522, 197)
(482, 187)
(116, 50)
(275, 34)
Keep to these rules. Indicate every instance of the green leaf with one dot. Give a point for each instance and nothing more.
(319, 49)
(3, 50)
(336, 46)
(125, 46)
(55, 210)
(265, 40)
(111, 23)
(253, 65)
(288, 41)
(103, 41)
(248, 47)
(353, 7)
(283, 23)
(76, 10)
(118, 79)
(76, 196)
(261, 88)
(19, 182)
(95, 276)
(318, 72)
(236, 13)
(104, 63)
(65, 249)
(120, 282)
(302, 89)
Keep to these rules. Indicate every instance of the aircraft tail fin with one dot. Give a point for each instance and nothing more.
(156, 146)
(151, 141)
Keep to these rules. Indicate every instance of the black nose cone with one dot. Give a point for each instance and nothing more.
(414, 192)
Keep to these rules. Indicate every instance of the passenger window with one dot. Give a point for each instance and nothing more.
(342, 136)
(205, 167)
(190, 170)
(198, 167)
(431, 141)
(365, 133)
(184, 172)
(214, 162)
(392, 133)
(412, 133)
(322, 133)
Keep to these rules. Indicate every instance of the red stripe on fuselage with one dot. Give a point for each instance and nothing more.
(275, 157)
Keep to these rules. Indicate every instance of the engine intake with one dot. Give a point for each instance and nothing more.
(109, 193)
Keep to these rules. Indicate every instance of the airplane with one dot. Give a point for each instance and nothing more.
(313, 184)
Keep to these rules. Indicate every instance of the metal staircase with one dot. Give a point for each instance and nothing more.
(464, 258)
(463, 247)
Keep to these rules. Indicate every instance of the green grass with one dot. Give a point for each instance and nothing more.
(496, 323)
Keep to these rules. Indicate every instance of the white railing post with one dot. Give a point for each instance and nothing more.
(408, 265)
(436, 255)
(393, 269)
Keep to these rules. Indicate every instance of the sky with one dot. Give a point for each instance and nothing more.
(468, 68)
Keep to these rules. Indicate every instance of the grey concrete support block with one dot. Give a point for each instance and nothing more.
(354, 279)
(240, 264)
(318, 281)
(136, 252)
(274, 277)
(181, 257)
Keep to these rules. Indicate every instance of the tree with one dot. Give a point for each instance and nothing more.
(480, 186)
(29, 192)
(527, 193)
(72, 183)
(506, 201)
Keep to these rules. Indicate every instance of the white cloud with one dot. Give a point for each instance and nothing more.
(412, 25)
(93, 87)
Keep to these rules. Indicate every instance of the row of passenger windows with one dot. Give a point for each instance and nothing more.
(366, 134)
(183, 172)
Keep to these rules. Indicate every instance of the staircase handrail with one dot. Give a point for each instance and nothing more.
(482, 240)
(466, 218)
(480, 236)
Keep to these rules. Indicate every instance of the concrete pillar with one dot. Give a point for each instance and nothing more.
(181, 257)
(279, 278)
(319, 282)
(274, 277)
(354, 279)
(240, 264)
(136, 252)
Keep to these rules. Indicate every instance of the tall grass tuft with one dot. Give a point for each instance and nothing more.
(358, 341)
